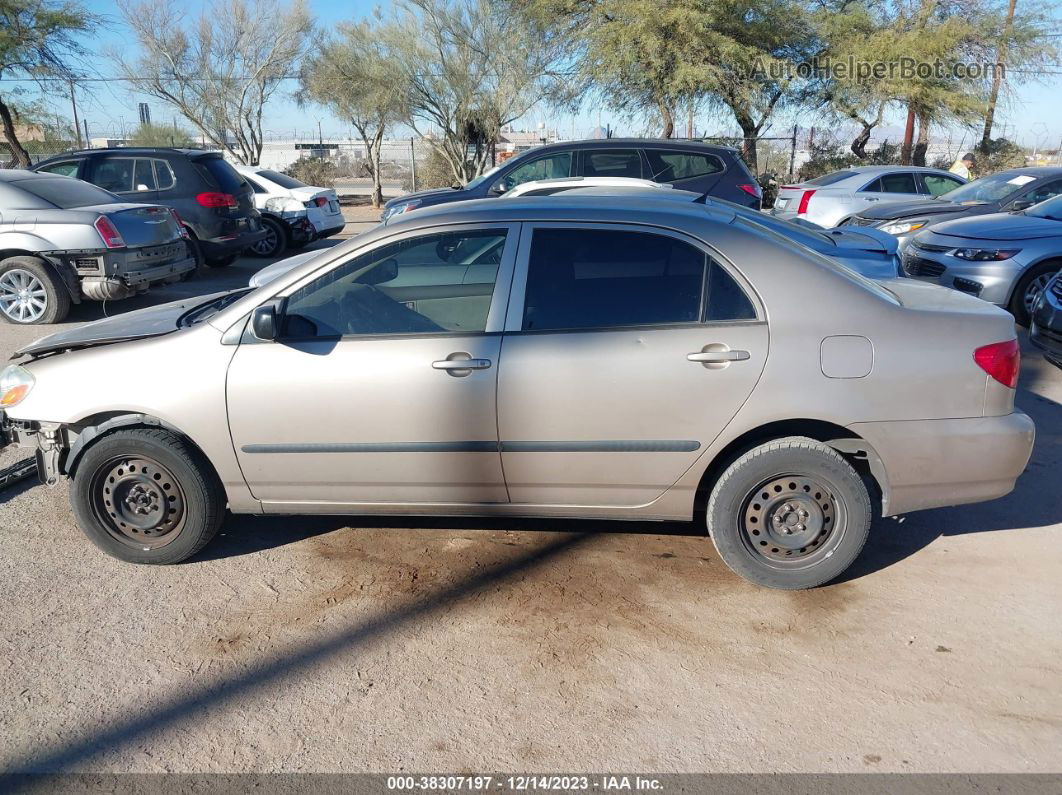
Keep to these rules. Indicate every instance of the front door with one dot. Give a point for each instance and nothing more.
(626, 352)
(382, 386)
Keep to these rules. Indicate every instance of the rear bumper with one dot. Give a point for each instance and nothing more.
(126, 283)
(332, 230)
(936, 463)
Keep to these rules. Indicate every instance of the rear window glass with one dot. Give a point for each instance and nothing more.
(65, 192)
(668, 166)
(829, 179)
(283, 180)
(221, 173)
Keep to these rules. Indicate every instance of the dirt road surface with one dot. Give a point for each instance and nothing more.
(478, 646)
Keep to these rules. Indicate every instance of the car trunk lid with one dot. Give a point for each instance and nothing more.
(140, 224)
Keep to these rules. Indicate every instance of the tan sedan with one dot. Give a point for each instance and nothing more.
(571, 356)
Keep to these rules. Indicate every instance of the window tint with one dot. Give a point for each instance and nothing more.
(68, 169)
(143, 175)
(283, 180)
(1044, 192)
(254, 185)
(938, 184)
(423, 285)
(726, 299)
(590, 278)
(669, 166)
(898, 183)
(114, 174)
(612, 163)
(220, 173)
(64, 192)
(164, 176)
(551, 167)
(831, 178)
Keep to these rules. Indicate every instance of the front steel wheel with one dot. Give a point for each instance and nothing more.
(791, 513)
(146, 495)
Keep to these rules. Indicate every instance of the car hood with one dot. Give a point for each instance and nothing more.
(1000, 226)
(890, 210)
(423, 194)
(153, 321)
(862, 239)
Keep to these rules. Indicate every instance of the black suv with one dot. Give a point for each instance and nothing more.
(689, 165)
(213, 201)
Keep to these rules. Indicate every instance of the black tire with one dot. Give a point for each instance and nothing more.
(146, 495)
(222, 262)
(41, 282)
(1028, 290)
(197, 252)
(274, 243)
(810, 526)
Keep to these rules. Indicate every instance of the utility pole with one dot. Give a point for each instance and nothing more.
(997, 76)
(320, 137)
(413, 163)
(792, 153)
(88, 141)
(73, 105)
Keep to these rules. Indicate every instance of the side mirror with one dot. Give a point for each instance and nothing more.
(264, 322)
(499, 187)
(1021, 204)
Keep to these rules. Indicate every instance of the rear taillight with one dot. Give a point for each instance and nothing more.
(180, 224)
(803, 208)
(1001, 360)
(320, 201)
(112, 238)
(752, 190)
(212, 199)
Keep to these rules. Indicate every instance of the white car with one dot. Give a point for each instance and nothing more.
(293, 212)
(547, 187)
(832, 198)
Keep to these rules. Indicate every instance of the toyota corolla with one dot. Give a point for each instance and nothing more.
(608, 357)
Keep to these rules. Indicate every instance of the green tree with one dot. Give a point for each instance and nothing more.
(39, 40)
(161, 135)
(352, 74)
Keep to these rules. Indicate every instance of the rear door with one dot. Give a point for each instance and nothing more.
(132, 178)
(618, 162)
(694, 171)
(627, 350)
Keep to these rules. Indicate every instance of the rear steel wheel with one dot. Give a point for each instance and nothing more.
(790, 521)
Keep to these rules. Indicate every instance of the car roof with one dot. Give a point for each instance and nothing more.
(874, 169)
(611, 143)
(19, 174)
(140, 150)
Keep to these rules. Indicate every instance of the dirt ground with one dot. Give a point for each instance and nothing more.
(531, 646)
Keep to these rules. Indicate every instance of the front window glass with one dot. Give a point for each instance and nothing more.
(988, 189)
(1044, 192)
(551, 167)
(596, 278)
(938, 184)
(1051, 209)
(422, 285)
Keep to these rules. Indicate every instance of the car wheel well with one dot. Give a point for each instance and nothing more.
(856, 450)
(92, 429)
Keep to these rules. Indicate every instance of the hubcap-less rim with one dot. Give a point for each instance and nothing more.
(139, 502)
(793, 521)
(1034, 290)
(22, 296)
(268, 244)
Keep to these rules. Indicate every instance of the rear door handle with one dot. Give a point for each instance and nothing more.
(460, 364)
(718, 356)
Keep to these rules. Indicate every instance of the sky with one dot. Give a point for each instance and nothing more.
(1032, 113)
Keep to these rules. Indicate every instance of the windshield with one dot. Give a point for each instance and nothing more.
(483, 177)
(211, 308)
(987, 189)
(1050, 209)
(66, 193)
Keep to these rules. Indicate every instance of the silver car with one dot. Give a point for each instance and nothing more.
(623, 358)
(1004, 258)
(63, 240)
(831, 199)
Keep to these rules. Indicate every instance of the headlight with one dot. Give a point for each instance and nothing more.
(902, 227)
(15, 383)
(985, 254)
(402, 207)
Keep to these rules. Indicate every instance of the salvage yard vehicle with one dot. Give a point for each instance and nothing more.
(625, 358)
(688, 165)
(1005, 258)
(293, 213)
(1046, 328)
(833, 198)
(214, 202)
(63, 240)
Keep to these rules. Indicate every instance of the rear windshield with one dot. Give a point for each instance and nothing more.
(829, 179)
(66, 192)
(283, 180)
(226, 177)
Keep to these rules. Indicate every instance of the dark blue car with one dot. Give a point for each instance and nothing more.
(689, 165)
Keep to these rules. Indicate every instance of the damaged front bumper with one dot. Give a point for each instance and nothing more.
(47, 440)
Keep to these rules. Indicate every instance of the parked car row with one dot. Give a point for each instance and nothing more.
(593, 352)
(106, 224)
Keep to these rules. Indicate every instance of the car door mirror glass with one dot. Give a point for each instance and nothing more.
(264, 322)
(1021, 204)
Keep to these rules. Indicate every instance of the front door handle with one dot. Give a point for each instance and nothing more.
(460, 364)
(718, 356)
